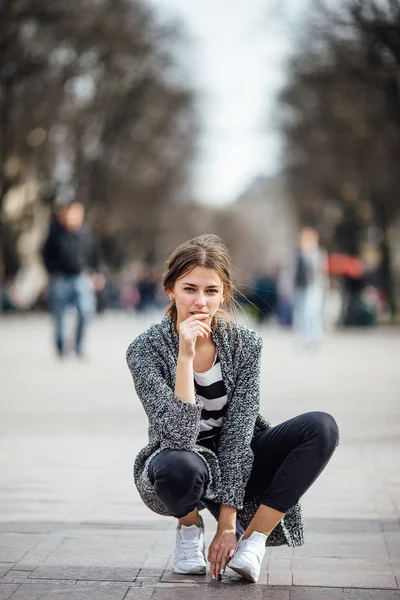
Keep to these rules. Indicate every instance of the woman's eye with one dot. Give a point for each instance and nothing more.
(188, 289)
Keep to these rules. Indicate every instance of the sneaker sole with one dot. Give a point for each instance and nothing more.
(245, 573)
(190, 572)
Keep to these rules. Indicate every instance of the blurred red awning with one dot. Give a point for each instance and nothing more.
(343, 264)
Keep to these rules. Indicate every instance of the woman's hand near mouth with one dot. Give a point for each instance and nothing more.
(189, 330)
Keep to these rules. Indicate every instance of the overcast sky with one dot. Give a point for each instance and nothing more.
(238, 51)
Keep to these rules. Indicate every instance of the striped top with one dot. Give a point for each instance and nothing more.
(211, 390)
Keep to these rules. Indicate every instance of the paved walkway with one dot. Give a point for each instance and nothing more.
(72, 524)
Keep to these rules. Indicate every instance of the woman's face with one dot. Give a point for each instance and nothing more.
(199, 291)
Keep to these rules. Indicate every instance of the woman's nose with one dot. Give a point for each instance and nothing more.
(200, 300)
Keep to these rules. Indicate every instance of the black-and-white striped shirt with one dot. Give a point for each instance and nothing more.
(211, 389)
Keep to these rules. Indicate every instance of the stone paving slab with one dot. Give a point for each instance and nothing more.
(14, 546)
(4, 568)
(85, 573)
(44, 591)
(38, 554)
(97, 552)
(365, 545)
(137, 594)
(15, 576)
(308, 593)
(7, 589)
(340, 572)
(212, 592)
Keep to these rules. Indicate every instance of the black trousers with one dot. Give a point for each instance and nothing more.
(288, 458)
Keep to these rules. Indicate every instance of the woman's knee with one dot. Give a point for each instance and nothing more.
(324, 428)
(178, 469)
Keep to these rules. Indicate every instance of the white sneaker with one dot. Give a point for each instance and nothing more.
(248, 556)
(190, 552)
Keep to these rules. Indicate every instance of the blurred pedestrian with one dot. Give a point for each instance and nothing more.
(147, 289)
(264, 296)
(71, 255)
(197, 374)
(310, 284)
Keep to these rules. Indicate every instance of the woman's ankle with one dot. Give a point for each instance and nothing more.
(192, 518)
(247, 534)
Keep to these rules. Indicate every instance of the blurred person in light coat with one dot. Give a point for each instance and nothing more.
(310, 285)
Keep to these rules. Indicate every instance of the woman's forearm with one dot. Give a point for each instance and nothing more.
(184, 382)
(227, 517)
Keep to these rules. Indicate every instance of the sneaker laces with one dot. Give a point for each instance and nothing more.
(189, 543)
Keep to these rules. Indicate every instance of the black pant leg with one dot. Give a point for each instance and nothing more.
(180, 479)
(288, 458)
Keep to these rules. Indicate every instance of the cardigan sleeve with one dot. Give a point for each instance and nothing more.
(176, 422)
(234, 448)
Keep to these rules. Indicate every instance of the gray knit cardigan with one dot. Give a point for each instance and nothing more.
(175, 424)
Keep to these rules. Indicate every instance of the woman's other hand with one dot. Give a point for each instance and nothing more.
(221, 551)
(194, 327)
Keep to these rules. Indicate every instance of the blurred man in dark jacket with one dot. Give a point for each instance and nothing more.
(71, 255)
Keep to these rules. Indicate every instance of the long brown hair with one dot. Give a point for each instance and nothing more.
(207, 251)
